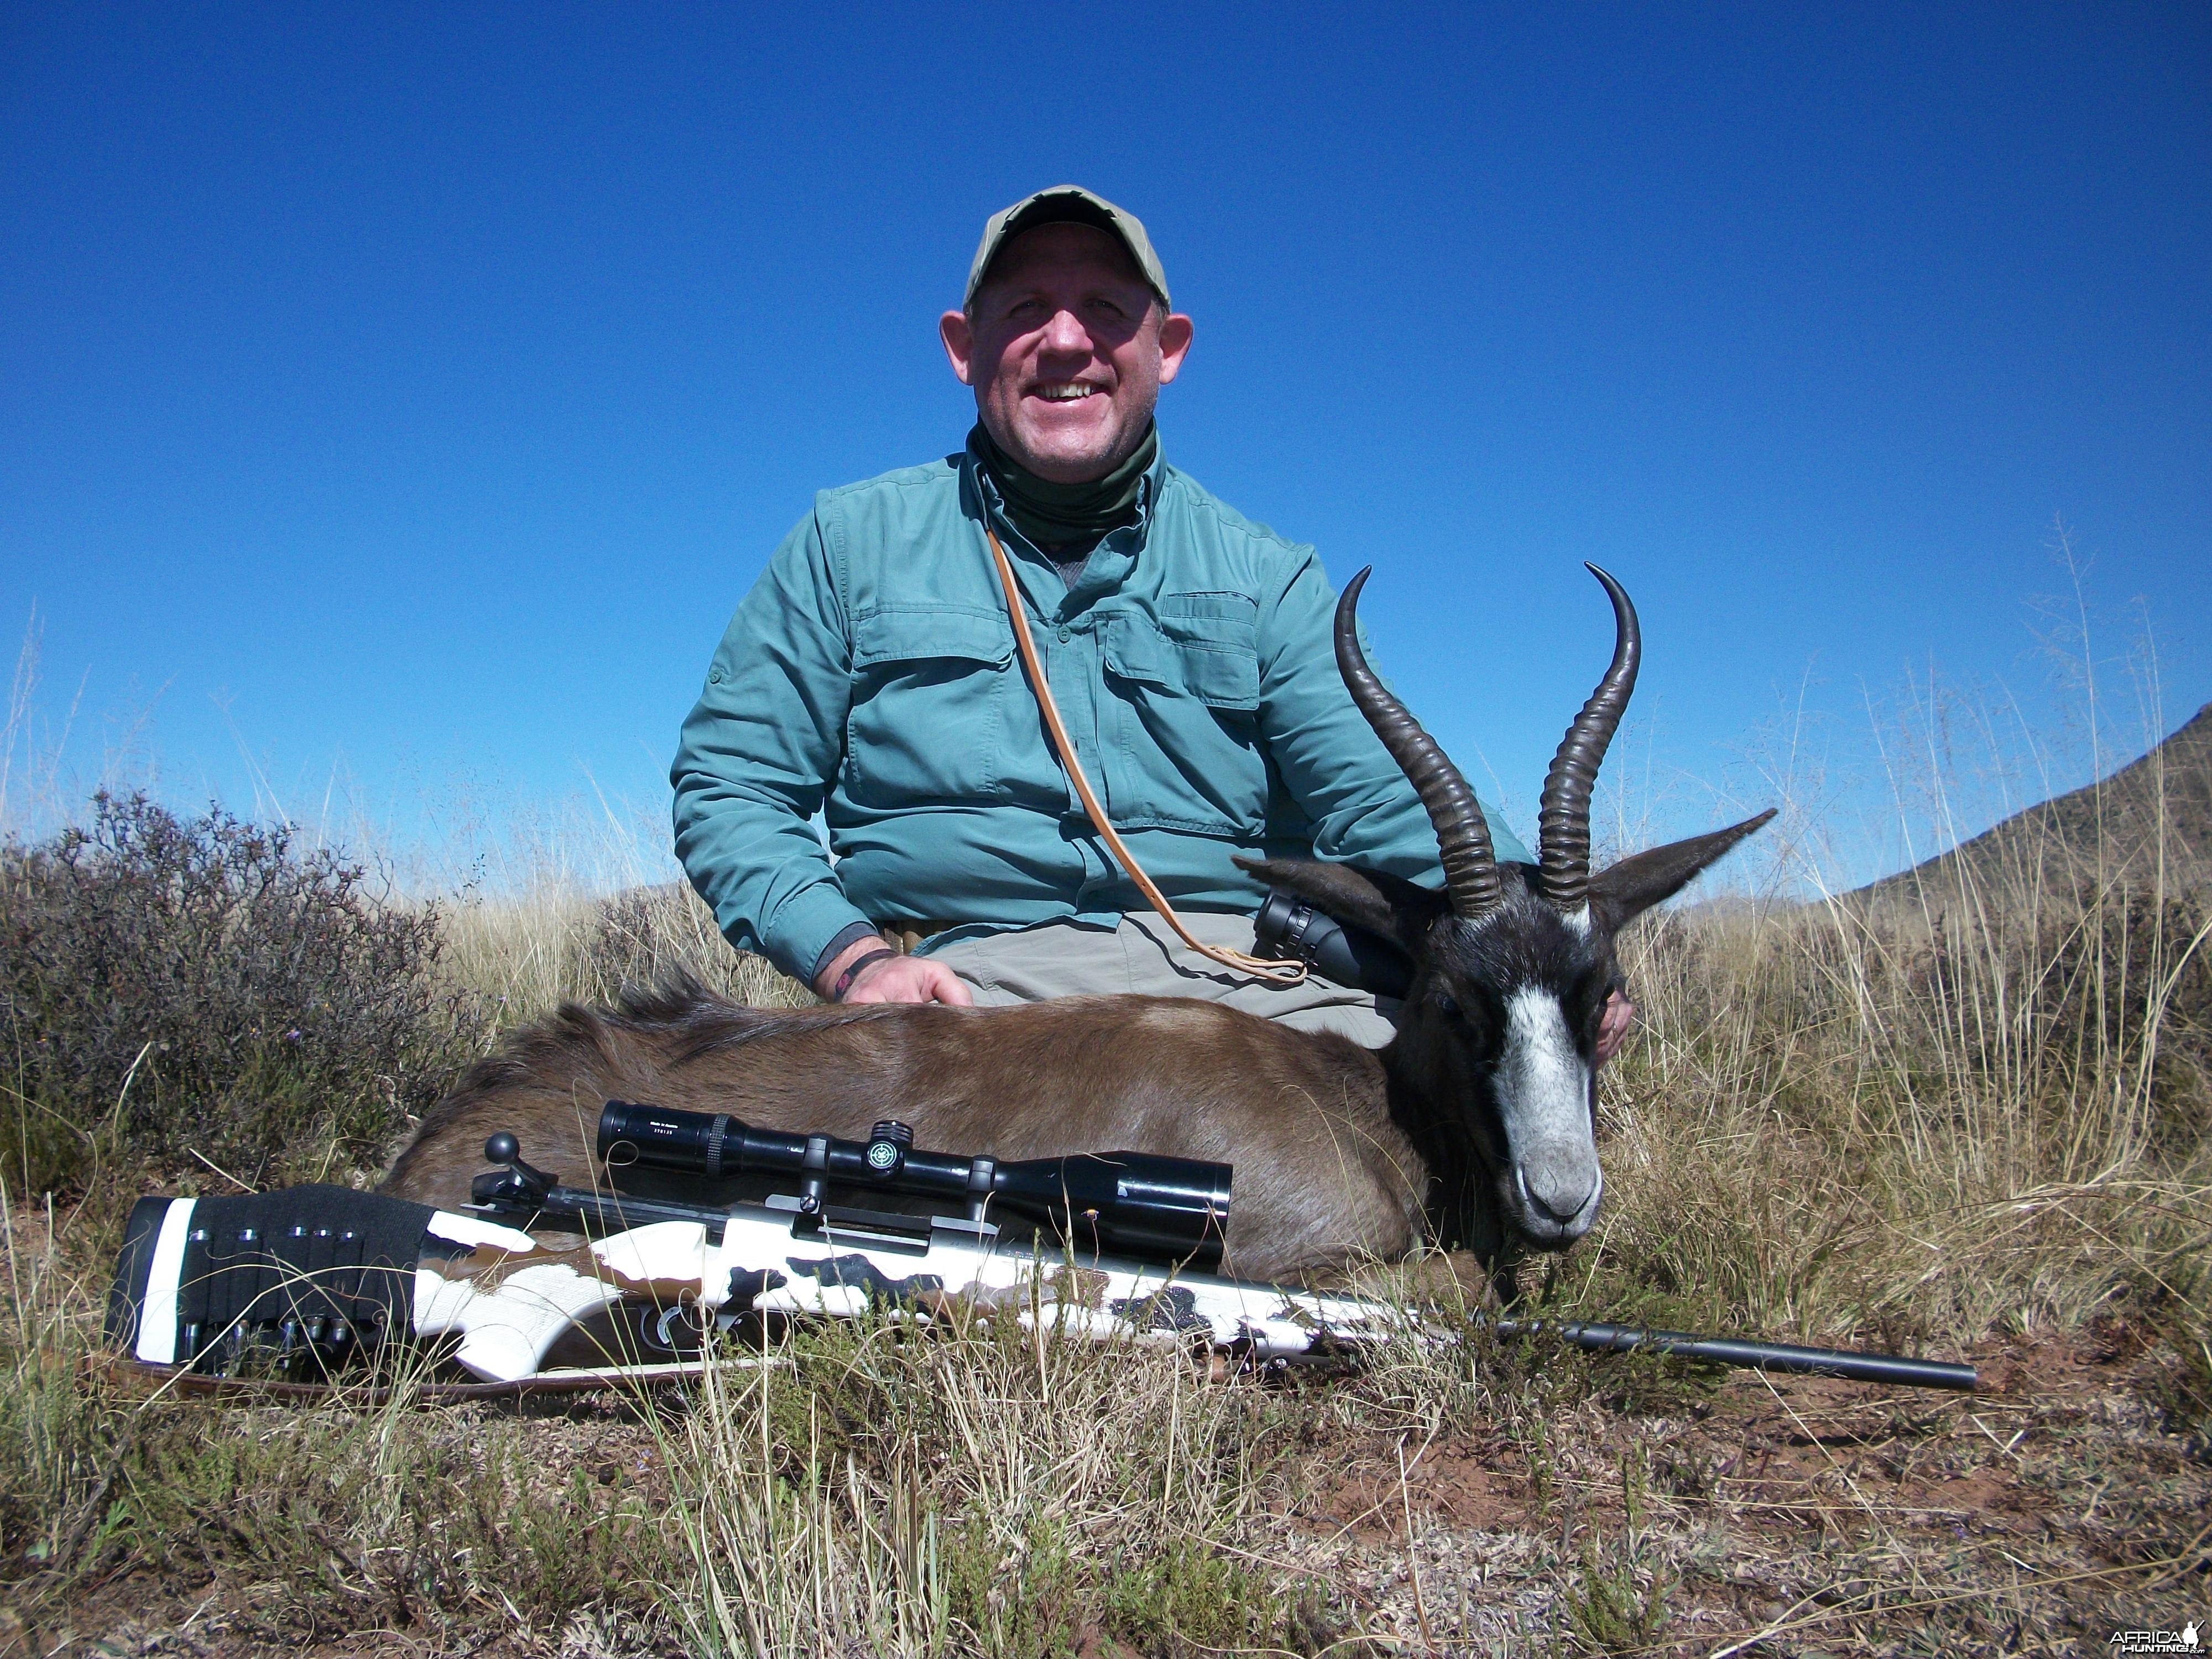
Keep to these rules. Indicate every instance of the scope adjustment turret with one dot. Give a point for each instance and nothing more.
(888, 1143)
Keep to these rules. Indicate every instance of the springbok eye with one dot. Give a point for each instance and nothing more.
(1447, 1003)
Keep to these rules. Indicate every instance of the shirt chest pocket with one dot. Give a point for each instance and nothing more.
(1184, 699)
(928, 716)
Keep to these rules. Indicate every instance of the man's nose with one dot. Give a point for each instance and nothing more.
(1065, 332)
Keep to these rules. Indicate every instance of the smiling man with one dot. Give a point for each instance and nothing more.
(871, 676)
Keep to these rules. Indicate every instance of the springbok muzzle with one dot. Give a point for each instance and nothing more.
(1551, 1184)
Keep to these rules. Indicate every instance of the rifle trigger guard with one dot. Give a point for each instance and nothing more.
(666, 1327)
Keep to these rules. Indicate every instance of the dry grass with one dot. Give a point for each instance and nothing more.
(551, 941)
(992, 1491)
(1841, 1120)
(1979, 1099)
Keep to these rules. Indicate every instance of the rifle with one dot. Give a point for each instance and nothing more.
(1108, 1245)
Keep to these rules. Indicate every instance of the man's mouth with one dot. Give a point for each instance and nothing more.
(1067, 392)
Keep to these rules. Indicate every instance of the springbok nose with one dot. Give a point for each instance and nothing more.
(1555, 1199)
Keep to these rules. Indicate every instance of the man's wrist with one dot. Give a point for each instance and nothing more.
(839, 950)
(852, 969)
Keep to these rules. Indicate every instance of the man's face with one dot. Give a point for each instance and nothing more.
(1067, 351)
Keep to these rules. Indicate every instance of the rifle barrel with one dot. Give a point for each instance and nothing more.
(1755, 1356)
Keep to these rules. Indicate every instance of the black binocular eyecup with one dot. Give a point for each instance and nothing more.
(1290, 926)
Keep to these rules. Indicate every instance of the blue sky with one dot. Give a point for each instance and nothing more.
(401, 399)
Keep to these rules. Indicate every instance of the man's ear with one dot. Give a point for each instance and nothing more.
(1176, 332)
(1386, 905)
(958, 335)
(1632, 886)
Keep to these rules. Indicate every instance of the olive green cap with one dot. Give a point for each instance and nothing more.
(1066, 204)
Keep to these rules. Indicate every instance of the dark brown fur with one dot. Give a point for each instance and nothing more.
(1322, 1172)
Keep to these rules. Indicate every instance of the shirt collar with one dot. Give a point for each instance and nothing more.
(977, 480)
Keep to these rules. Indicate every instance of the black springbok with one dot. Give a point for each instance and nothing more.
(1474, 1126)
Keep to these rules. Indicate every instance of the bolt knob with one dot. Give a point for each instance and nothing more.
(502, 1148)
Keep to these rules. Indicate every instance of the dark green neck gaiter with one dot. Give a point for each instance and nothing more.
(1054, 514)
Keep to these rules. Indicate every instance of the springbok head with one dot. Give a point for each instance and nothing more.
(1512, 962)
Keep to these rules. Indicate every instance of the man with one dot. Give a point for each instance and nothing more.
(872, 675)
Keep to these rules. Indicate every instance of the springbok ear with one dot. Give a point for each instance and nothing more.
(1632, 886)
(1383, 904)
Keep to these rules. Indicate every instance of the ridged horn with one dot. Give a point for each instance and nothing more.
(1563, 856)
(1462, 836)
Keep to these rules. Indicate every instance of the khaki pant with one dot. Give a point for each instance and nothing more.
(1142, 956)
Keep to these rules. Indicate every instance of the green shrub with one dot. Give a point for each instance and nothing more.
(1185, 1599)
(171, 986)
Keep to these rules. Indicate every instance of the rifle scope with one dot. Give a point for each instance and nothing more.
(1132, 1204)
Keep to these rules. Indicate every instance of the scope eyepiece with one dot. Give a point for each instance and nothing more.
(662, 1137)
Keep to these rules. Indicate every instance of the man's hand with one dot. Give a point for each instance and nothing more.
(892, 978)
(1612, 1026)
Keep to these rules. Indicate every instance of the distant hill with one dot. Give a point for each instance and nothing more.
(2109, 830)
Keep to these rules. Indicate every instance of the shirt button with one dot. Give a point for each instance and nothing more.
(1066, 633)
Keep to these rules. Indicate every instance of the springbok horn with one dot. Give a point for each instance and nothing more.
(1563, 857)
(1462, 836)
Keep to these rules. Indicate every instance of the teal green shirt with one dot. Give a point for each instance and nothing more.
(870, 677)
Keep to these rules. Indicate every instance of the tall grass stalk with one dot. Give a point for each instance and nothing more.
(54, 1433)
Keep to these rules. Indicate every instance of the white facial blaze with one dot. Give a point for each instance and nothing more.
(1543, 1084)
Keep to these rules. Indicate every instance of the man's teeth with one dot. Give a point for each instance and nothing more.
(1066, 393)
